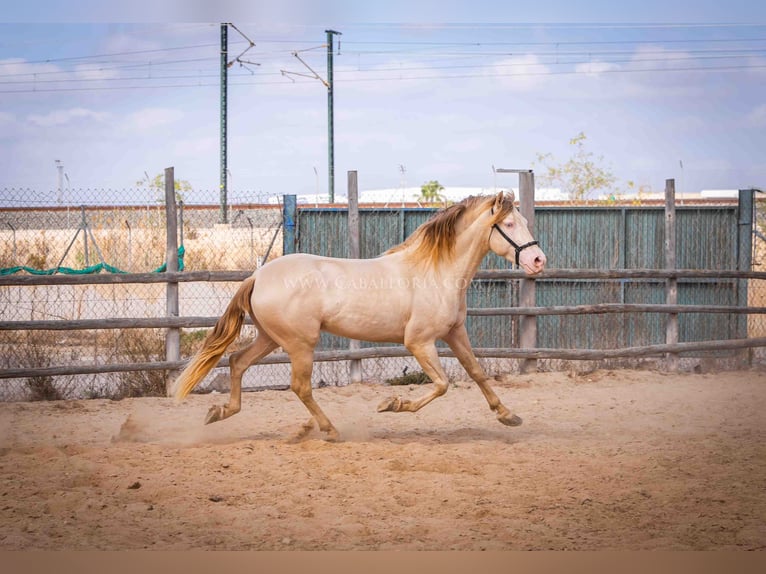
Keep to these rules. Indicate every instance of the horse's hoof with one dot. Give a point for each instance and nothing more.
(333, 436)
(392, 404)
(510, 420)
(214, 414)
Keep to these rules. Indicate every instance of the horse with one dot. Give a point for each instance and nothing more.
(412, 294)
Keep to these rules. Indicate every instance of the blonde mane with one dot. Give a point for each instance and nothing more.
(434, 241)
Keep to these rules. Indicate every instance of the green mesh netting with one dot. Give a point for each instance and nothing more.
(97, 268)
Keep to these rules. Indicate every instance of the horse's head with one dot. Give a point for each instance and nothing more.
(509, 236)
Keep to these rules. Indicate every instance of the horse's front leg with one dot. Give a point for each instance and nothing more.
(457, 339)
(426, 355)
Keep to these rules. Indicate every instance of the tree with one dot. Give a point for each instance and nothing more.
(157, 186)
(430, 192)
(581, 175)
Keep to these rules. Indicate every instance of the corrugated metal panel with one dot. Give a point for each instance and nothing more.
(579, 331)
(706, 238)
(707, 326)
(644, 238)
(572, 237)
(644, 328)
(579, 238)
(499, 331)
(323, 232)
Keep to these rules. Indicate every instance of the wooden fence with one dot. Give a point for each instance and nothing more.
(173, 323)
(527, 351)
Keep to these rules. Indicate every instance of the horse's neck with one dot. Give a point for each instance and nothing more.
(470, 248)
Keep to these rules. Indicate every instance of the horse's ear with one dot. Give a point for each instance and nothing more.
(510, 195)
(497, 205)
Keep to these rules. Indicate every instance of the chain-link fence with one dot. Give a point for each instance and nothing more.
(117, 230)
(757, 289)
(127, 232)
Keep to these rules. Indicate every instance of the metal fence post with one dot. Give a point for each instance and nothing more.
(84, 227)
(172, 335)
(289, 213)
(355, 365)
(744, 257)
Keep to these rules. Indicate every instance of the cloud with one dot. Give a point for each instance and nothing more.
(18, 68)
(595, 68)
(519, 73)
(151, 118)
(197, 147)
(63, 117)
(88, 72)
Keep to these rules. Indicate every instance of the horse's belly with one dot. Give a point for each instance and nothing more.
(377, 326)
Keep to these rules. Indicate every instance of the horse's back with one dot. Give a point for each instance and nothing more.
(365, 299)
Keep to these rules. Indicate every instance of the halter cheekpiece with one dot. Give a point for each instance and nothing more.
(517, 247)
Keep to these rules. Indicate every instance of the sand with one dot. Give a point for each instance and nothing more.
(618, 460)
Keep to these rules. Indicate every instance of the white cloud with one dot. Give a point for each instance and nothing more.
(62, 117)
(519, 73)
(595, 68)
(197, 147)
(88, 72)
(20, 69)
(150, 118)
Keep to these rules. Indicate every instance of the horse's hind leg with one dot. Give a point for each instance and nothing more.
(302, 363)
(238, 364)
(458, 341)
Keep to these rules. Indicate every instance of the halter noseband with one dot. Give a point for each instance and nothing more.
(517, 247)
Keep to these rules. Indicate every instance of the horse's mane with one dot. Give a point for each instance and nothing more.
(434, 241)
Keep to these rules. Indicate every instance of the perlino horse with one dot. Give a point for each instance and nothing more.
(415, 293)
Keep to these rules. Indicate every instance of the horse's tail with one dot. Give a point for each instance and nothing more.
(226, 329)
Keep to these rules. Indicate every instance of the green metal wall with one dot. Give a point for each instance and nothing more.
(626, 237)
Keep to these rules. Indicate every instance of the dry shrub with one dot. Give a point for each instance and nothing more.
(141, 346)
(39, 348)
(416, 378)
(191, 341)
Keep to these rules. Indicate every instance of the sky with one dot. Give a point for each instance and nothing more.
(421, 92)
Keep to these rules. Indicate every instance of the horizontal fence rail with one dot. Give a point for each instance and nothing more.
(393, 351)
(202, 322)
(397, 352)
(491, 274)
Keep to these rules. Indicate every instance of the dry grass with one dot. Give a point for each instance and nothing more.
(139, 248)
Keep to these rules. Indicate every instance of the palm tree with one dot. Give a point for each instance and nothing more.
(430, 192)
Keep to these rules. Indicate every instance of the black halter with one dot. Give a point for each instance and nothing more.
(518, 248)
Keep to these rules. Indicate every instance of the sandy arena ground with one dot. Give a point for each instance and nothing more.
(607, 460)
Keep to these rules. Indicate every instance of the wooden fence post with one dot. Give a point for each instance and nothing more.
(172, 335)
(527, 292)
(289, 214)
(671, 285)
(354, 365)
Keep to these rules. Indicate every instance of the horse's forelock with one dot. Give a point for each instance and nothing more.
(505, 207)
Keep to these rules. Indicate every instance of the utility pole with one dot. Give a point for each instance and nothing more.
(225, 64)
(224, 216)
(330, 119)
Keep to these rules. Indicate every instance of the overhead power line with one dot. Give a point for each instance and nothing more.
(408, 60)
(402, 78)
